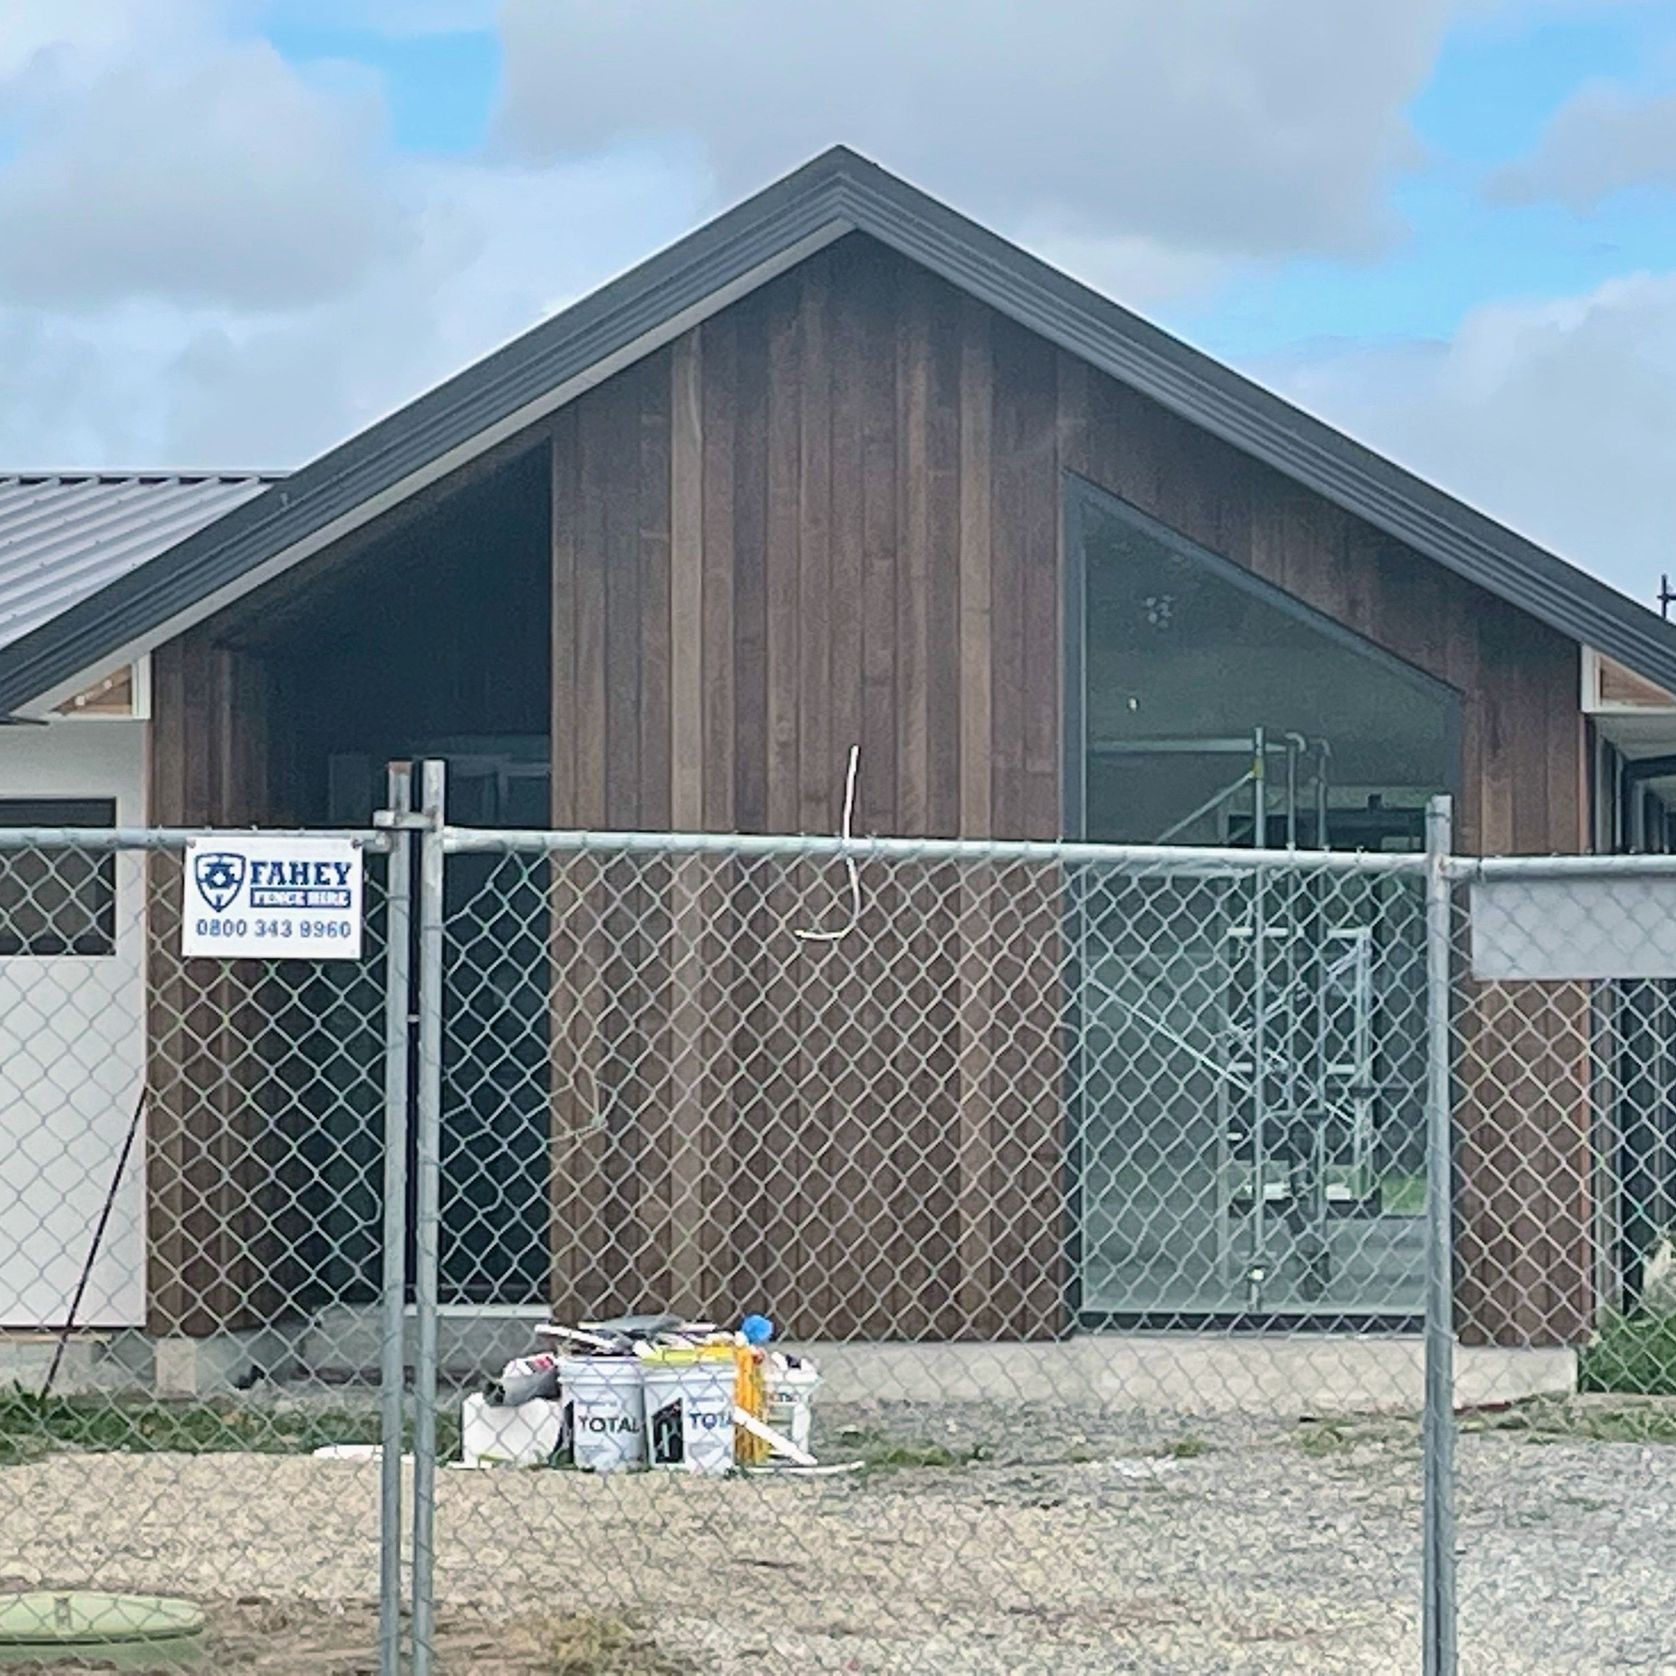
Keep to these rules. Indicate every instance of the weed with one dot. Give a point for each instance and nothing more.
(32, 1425)
(1585, 1419)
(1185, 1448)
(878, 1452)
(1323, 1438)
(579, 1644)
(1631, 1355)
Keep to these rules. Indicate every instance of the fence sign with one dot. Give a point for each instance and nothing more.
(1573, 928)
(270, 897)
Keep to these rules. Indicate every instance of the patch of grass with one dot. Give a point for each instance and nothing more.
(580, 1644)
(32, 1426)
(1631, 1355)
(877, 1451)
(1588, 1419)
(1324, 1438)
(1185, 1448)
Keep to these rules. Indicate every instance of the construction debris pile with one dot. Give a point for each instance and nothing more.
(647, 1391)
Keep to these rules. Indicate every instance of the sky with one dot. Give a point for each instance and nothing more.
(233, 232)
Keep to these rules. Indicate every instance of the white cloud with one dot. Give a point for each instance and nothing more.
(1558, 418)
(1268, 127)
(210, 172)
(1603, 139)
(151, 381)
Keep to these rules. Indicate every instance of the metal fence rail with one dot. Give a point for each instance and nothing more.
(1210, 1260)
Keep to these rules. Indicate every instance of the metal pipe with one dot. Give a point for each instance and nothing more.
(1469, 869)
(1323, 756)
(1235, 745)
(103, 838)
(1296, 745)
(1257, 1273)
(427, 1185)
(392, 1373)
(1178, 860)
(1438, 1425)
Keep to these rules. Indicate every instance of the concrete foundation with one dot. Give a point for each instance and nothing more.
(1158, 1372)
(1280, 1378)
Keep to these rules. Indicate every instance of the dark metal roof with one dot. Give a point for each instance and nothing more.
(64, 535)
(835, 193)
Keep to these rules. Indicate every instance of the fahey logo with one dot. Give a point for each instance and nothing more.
(219, 878)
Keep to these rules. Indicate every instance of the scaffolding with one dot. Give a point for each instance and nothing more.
(1293, 1043)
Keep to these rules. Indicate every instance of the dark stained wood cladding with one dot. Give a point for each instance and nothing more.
(771, 543)
(211, 1254)
(832, 515)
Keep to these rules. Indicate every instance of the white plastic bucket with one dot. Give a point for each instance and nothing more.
(525, 1435)
(604, 1427)
(791, 1391)
(689, 1415)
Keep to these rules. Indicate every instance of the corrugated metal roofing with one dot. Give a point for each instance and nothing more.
(64, 535)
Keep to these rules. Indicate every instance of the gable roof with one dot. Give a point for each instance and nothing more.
(65, 534)
(837, 193)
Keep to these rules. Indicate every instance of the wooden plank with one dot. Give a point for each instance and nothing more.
(1009, 472)
(819, 756)
(879, 805)
(686, 583)
(975, 1160)
(656, 627)
(944, 500)
(976, 618)
(624, 675)
(588, 724)
(750, 580)
(564, 516)
(781, 560)
(718, 373)
(913, 565)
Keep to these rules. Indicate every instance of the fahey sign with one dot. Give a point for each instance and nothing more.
(268, 897)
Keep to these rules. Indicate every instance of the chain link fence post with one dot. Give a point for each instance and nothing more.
(1438, 1424)
(398, 1007)
(427, 1183)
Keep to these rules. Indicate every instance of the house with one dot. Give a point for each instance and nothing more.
(842, 467)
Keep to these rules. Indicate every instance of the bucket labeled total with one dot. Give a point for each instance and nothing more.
(603, 1426)
(689, 1410)
(790, 1394)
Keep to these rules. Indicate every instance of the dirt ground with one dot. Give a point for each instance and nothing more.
(1001, 1544)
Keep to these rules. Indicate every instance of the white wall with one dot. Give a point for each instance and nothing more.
(72, 1059)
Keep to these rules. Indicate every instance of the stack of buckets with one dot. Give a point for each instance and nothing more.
(671, 1406)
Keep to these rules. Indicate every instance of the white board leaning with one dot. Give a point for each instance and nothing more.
(266, 896)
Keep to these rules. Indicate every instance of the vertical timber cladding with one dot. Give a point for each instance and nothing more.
(831, 515)
(212, 1242)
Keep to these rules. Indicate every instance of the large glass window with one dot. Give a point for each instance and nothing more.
(1249, 1107)
(1187, 660)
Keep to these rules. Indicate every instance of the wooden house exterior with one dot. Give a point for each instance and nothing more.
(831, 509)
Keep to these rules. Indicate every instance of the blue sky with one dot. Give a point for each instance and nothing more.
(1448, 226)
(1494, 89)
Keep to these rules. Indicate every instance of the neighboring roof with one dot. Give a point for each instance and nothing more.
(837, 193)
(65, 535)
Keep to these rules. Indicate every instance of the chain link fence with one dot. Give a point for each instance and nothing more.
(1087, 1188)
(189, 1213)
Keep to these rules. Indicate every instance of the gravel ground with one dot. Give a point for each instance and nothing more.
(1065, 1543)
